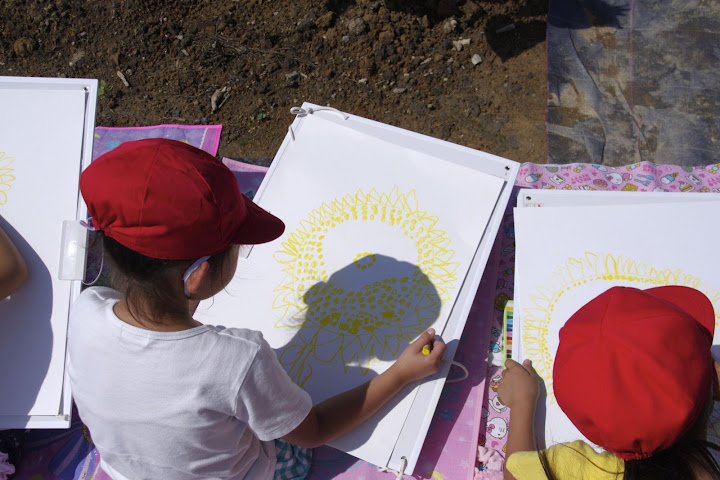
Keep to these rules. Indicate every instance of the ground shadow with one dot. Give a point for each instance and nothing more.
(366, 312)
(510, 38)
(338, 6)
(519, 30)
(587, 14)
(436, 10)
(26, 341)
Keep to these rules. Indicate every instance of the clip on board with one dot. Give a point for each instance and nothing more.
(38, 192)
(593, 241)
(387, 234)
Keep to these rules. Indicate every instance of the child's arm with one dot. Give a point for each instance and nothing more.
(519, 390)
(13, 271)
(340, 414)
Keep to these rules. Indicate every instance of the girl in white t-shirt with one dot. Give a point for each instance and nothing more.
(163, 395)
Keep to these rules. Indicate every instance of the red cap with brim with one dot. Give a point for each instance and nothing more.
(166, 199)
(633, 369)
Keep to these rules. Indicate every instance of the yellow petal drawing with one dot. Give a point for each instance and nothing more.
(6, 176)
(362, 323)
(576, 272)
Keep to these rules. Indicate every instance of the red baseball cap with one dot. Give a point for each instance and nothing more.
(633, 369)
(169, 200)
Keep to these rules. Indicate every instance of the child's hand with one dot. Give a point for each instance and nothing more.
(413, 365)
(519, 385)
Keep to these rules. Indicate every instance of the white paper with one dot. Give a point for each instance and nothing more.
(388, 233)
(567, 255)
(41, 133)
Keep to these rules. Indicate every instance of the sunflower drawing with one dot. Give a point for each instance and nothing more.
(575, 273)
(366, 311)
(6, 176)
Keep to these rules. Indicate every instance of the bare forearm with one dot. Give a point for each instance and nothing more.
(521, 433)
(340, 414)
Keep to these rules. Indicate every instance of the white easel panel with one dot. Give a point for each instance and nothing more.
(46, 133)
(528, 197)
(387, 234)
(589, 246)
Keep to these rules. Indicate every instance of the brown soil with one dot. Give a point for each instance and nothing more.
(390, 60)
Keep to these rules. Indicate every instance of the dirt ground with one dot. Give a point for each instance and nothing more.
(468, 71)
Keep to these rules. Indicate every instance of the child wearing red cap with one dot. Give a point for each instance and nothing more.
(634, 373)
(164, 396)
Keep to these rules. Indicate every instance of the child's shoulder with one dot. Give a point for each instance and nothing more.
(99, 294)
(241, 334)
(244, 346)
(247, 338)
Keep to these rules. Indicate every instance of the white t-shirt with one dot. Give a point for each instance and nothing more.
(200, 403)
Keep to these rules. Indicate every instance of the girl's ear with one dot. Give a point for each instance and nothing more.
(196, 279)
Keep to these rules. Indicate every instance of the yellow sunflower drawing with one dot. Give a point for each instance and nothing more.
(577, 272)
(6, 176)
(367, 310)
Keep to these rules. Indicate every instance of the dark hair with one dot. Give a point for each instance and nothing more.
(684, 460)
(147, 283)
(689, 458)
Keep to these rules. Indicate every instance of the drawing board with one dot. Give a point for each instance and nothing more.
(38, 191)
(368, 261)
(572, 246)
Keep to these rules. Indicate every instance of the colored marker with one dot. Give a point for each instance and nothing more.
(508, 328)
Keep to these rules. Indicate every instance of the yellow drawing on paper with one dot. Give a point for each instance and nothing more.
(574, 273)
(6, 176)
(368, 322)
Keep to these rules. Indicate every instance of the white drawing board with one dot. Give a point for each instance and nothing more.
(387, 234)
(45, 138)
(591, 241)
(580, 198)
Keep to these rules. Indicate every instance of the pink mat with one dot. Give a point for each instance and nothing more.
(204, 137)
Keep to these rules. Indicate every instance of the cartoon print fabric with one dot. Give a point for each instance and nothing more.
(643, 176)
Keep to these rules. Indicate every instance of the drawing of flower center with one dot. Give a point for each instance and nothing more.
(361, 306)
(364, 260)
(380, 306)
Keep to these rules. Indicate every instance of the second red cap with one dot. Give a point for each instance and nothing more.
(633, 369)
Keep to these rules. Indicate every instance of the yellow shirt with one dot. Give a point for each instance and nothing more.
(569, 461)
